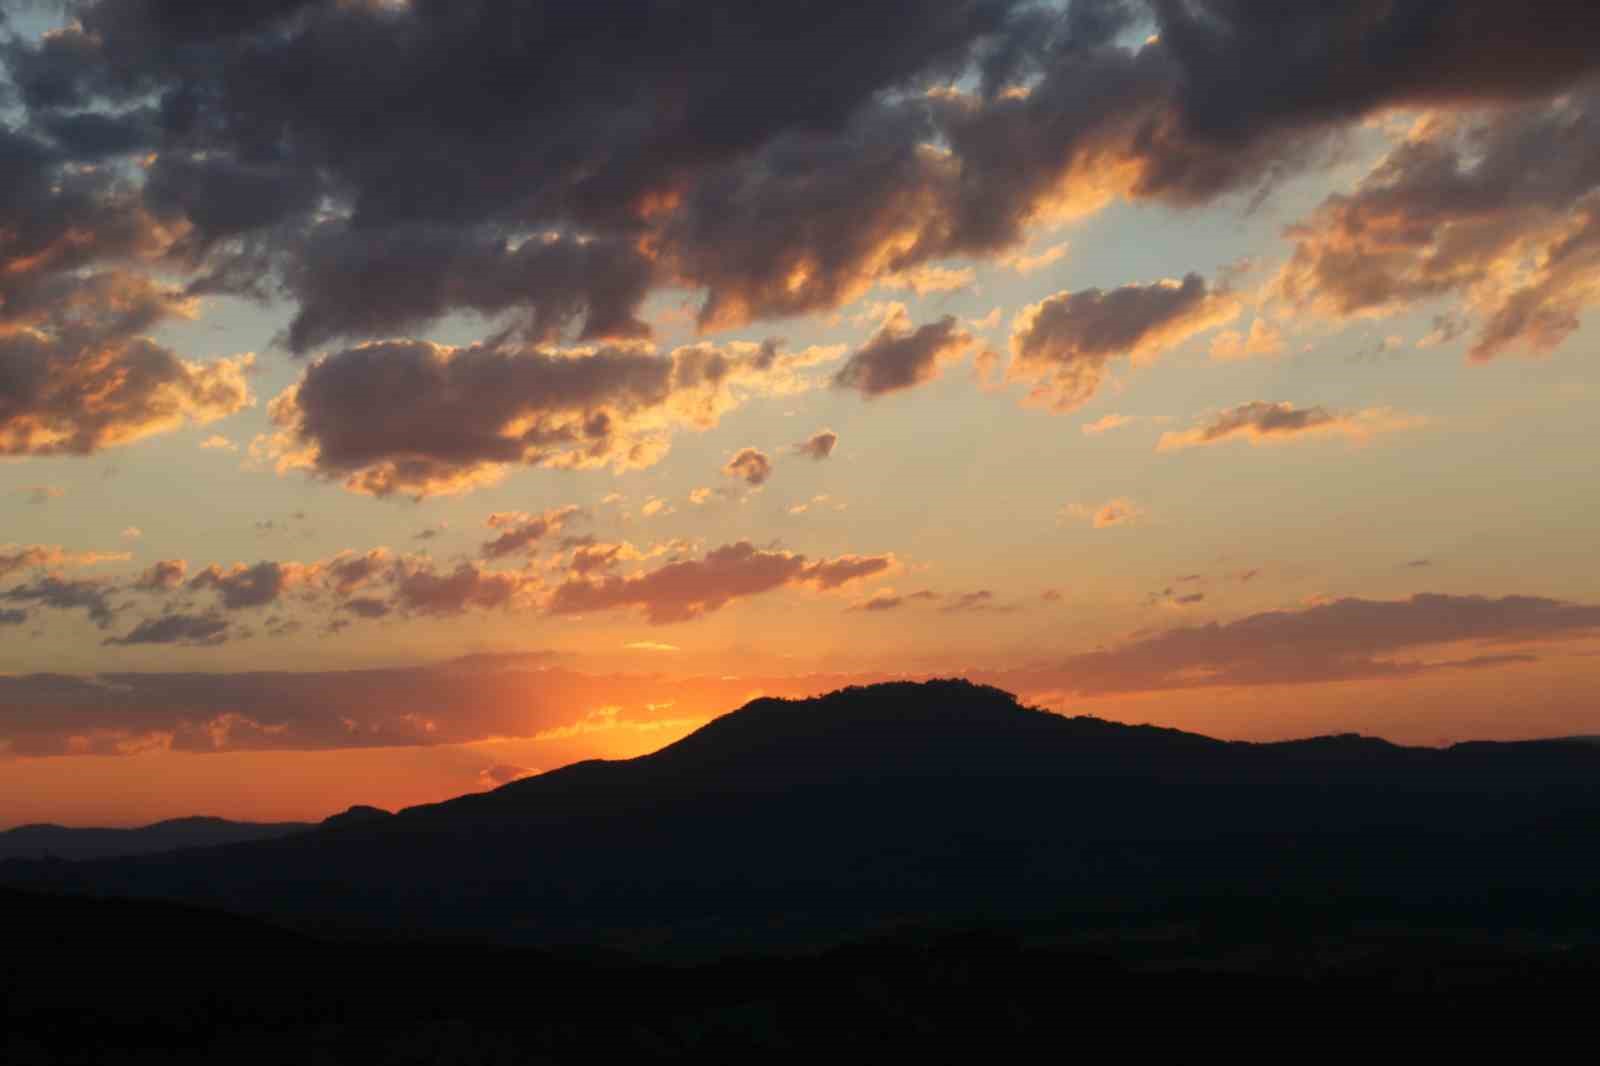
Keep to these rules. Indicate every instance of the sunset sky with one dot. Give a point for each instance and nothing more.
(398, 397)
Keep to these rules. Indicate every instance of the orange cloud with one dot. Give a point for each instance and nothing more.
(1118, 512)
(14, 557)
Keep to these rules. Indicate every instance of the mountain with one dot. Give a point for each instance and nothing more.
(62, 842)
(798, 823)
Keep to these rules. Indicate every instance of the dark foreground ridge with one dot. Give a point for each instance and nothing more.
(798, 824)
(116, 983)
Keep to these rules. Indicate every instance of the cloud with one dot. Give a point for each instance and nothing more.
(1064, 344)
(131, 533)
(63, 595)
(349, 571)
(819, 445)
(682, 591)
(351, 284)
(12, 617)
(655, 506)
(772, 183)
(1117, 512)
(422, 589)
(70, 400)
(815, 501)
(194, 630)
(925, 279)
(1343, 639)
(650, 645)
(750, 464)
(217, 442)
(503, 774)
(1265, 423)
(887, 599)
(900, 357)
(422, 419)
(1262, 339)
(164, 576)
(699, 496)
(520, 532)
(1457, 210)
(14, 557)
(366, 607)
(473, 698)
(974, 602)
(242, 586)
(1106, 423)
(1026, 263)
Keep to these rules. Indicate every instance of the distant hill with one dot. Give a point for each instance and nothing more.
(62, 842)
(799, 823)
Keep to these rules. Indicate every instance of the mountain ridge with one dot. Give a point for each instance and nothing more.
(814, 820)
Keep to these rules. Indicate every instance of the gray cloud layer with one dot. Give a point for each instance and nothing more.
(546, 173)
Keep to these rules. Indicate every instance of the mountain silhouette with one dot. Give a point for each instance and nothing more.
(46, 841)
(810, 821)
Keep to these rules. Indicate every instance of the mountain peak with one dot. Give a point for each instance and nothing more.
(356, 815)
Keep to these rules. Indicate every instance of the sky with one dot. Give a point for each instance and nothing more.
(401, 397)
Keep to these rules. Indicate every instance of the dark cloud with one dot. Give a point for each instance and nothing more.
(366, 607)
(819, 445)
(1252, 67)
(900, 357)
(684, 590)
(890, 600)
(201, 630)
(422, 419)
(64, 595)
(750, 464)
(1063, 344)
(1418, 564)
(347, 572)
(547, 174)
(354, 284)
(1458, 209)
(421, 589)
(1343, 640)
(77, 373)
(1259, 422)
(245, 586)
(163, 576)
(12, 617)
(61, 398)
(519, 531)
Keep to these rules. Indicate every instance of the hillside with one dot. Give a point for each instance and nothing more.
(807, 822)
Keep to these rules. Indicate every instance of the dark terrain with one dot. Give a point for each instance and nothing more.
(902, 866)
(62, 842)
